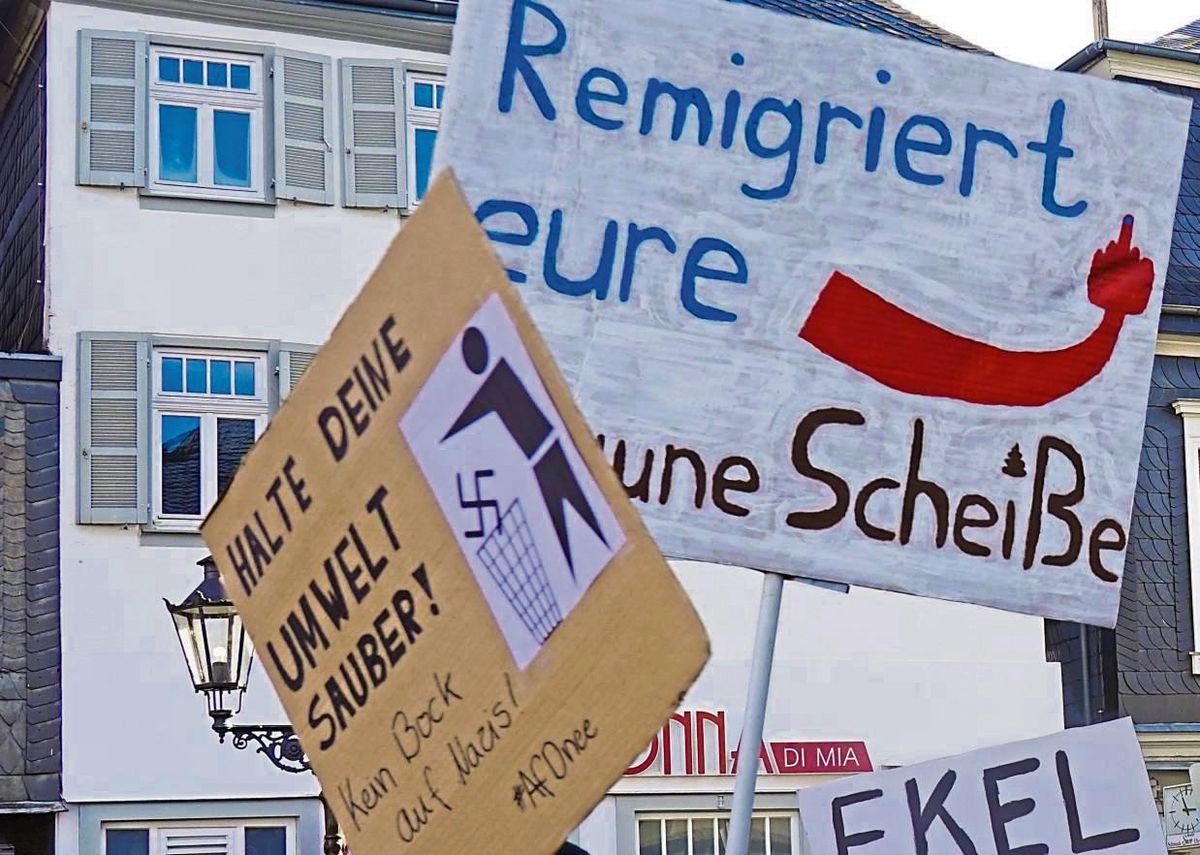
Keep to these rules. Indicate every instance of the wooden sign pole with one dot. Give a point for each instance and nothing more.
(756, 711)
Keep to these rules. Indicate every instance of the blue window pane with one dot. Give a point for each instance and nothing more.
(239, 76)
(441, 91)
(243, 378)
(425, 139)
(217, 74)
(181, 465)
(197, 375)
(172, 374)
(177, 143)
(193, 71)
(127, 841)
(266, 841)
(231, 148)
(219, 377)
(234, 438)
(168, 69)
(423, 94)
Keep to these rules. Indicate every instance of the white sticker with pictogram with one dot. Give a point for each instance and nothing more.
(531, 521)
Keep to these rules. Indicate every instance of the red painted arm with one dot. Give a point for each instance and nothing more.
(904, 352)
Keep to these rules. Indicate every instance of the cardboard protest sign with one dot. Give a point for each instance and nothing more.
(838, 304)
(1082, 790)
(462, 613)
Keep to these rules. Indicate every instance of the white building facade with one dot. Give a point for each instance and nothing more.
(221, 178)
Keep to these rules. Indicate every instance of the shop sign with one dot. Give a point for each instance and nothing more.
(1081, 790)
(441, 574)
(839, 305)
(699, 742)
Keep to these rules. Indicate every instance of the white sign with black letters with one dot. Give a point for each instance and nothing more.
(1082, 790)
(840, 305)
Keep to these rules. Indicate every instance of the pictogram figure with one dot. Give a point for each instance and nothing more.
(504, 395)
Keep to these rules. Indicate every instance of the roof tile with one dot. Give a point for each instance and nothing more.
(877, 16)
(1186, 37)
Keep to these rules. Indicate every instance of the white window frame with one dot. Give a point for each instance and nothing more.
(209, 408)
(237, 827)
(1189, 411)
(424, 118)
(206, 100)
(793, 818)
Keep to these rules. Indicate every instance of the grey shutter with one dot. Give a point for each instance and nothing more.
(114, 428)
(303, 127)
(196, 841)
(373, 133)
(294, 360)
(112, 109)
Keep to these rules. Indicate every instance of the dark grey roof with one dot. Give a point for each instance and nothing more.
(1183, 271)
(1186, 37)
(877, 16)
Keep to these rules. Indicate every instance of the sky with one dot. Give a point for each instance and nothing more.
(1046, 32)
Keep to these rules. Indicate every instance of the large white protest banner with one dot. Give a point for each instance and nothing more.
(839, 305)
(1082, 790)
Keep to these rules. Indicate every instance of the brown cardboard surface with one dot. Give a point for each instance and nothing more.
(401, 774)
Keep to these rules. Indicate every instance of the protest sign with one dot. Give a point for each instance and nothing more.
(1082, 790)
(462, 613)
(839, 305)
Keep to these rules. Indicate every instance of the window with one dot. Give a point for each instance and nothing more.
(245, 837)
(391, 113)
(253, 123)
(208, 409)
(172, 412)
(425, 94)
(705, 834)
(206, 123)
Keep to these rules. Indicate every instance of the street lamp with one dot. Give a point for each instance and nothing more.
(215, 646)
(218, 656)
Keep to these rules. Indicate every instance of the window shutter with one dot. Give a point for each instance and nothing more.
(114, 428)
(373, 133)
(112, 109)
(196, 841)
(303, 127)
(294, 360)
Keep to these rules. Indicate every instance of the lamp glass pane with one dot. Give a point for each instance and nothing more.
(244, 654)
(217, 630)
(190, 642)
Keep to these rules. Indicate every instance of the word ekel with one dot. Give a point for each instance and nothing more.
(928, 810)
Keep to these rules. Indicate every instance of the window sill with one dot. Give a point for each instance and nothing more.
(208, 194)
(205, 193)
(181, 536)
(158, 201)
